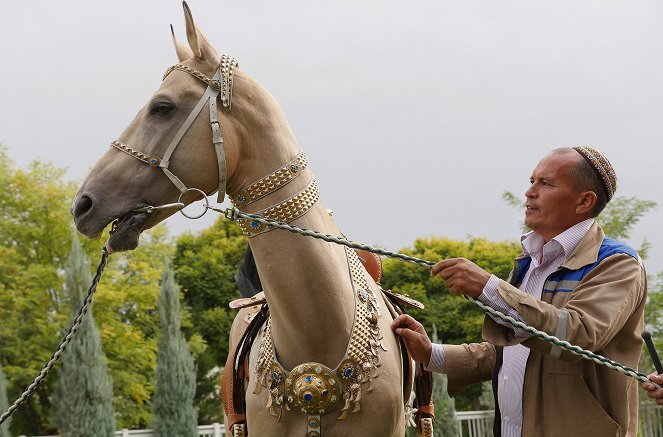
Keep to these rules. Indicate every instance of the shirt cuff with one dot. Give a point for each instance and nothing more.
(438, 362)
(490, 296)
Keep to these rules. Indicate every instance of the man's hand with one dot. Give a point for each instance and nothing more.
(652, 391)
(414, 336)
(462, 276)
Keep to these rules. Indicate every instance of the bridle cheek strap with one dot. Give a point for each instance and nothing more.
(210, 97)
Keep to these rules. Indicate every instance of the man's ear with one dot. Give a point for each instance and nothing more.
(586, 202)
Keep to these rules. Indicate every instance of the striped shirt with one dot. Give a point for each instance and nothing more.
(546, 259)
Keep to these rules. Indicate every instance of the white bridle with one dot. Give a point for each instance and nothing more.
(221, 82)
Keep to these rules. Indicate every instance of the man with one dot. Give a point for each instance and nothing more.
(571, 282)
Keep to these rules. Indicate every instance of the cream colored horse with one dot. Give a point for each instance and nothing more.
(306, 281)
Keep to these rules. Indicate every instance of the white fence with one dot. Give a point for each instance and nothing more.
(470, 424)
(213, 430)
(480, 423)
(475, 423)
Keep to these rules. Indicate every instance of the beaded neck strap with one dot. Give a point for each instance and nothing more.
(270, 183)
(286, 211)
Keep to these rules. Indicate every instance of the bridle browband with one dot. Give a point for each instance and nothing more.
(220, 83)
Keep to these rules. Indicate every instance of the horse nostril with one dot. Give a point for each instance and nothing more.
(82, 206)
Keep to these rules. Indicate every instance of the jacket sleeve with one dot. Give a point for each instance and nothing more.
(467, 364)
(595, 312)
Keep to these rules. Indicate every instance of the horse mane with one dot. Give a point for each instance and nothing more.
(247, 278)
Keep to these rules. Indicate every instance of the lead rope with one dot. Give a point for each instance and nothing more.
(65, 341)
(233, 214)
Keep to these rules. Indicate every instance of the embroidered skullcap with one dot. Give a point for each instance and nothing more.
(601, 167)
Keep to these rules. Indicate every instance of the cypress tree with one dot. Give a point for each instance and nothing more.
(83, 396)
(4, 404)
(174, 413)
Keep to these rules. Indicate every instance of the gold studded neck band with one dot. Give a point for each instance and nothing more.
(286, 211)
(271, 182)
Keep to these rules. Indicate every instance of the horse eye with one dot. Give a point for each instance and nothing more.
(161, 109)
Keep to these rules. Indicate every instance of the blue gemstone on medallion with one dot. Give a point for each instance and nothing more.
(325, 392)
(277, 376)
(348, 372)
(308, 397)
(308, 378)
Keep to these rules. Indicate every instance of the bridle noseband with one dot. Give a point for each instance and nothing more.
(220, 83)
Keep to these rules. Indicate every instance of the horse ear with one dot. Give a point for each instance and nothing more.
(183, 52)
(200, 47)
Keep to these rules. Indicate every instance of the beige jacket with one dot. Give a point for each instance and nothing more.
(564, 395)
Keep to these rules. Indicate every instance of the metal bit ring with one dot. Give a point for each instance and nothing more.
(205, 198)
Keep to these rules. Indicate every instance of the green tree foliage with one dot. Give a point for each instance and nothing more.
(654, 321)
(205, 266)
(35, 230)
(34, 245)
(4, 404)
(83, 396)
(174, 413)
(457, 320)
(127, 314)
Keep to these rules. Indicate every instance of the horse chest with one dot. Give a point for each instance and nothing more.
(311, 390)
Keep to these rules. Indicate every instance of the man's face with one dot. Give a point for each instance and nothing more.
(552, 197)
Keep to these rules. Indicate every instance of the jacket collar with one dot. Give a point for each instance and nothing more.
(587, 251)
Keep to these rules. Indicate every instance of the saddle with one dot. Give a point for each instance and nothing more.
(236, 371)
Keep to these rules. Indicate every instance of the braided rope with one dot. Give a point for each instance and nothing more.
(65, 341)
(234, 213)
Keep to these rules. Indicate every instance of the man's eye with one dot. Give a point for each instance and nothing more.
(161, 109)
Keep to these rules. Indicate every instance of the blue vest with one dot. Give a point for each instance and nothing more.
(565, 280)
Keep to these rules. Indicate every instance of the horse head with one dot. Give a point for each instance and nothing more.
(184, 142)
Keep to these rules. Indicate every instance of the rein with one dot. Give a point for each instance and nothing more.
(235, 214)
(221, 83)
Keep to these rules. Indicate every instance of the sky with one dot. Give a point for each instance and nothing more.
(415, 117)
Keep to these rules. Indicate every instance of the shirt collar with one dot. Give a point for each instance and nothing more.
(536, 247)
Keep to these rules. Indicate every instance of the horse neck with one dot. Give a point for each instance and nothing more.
(308, 289)
(306, 281)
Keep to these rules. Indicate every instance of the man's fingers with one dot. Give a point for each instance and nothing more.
(408, 334)
(442, 265)
(656, 378)
(407, 322)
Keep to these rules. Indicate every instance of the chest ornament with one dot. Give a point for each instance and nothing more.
(313, 388)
